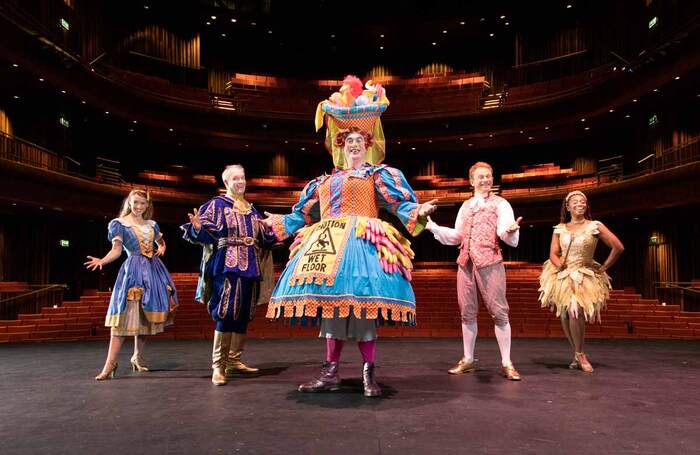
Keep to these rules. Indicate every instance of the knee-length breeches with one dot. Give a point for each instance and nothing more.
(232, 304)
(490, 281)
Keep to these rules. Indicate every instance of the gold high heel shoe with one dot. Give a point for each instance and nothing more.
(574, 364)
(137, 365)
(108, 374)
(583, 363)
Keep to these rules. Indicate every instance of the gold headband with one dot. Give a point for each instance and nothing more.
(140, 190)
(575, 193)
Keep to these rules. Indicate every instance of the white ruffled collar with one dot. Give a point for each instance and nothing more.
(478, 200)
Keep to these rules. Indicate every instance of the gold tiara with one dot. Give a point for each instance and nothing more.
(574, 193)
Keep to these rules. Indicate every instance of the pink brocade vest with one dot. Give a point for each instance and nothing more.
(480, 243)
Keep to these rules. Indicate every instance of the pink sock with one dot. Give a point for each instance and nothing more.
(333, 349)
(367, 350)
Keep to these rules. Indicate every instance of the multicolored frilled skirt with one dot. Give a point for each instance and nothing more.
(359, 265)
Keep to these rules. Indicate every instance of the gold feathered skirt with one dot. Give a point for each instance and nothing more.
(584, 285)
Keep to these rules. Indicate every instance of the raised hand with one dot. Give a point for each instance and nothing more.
(515, 226)
(93, 263)
(268, 220)
(195, 220)
(430, 224)
(427, 208)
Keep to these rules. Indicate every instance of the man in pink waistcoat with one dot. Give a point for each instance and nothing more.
(482, 220)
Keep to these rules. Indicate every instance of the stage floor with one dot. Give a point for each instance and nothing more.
(644, 397)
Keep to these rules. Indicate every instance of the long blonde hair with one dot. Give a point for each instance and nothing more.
(126, 205)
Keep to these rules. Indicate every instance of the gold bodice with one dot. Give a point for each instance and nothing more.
(145, 234)
(578, 247)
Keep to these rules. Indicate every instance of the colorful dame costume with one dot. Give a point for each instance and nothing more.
(348, 269)
(344, 260)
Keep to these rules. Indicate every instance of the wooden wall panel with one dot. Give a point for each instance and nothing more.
(162, 44)
(5, 124)
(218, 78)
(529, 49)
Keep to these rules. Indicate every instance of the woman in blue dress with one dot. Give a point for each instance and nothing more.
(144, 298)
(347, 268)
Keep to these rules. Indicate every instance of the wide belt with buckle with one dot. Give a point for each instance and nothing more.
(236, 241)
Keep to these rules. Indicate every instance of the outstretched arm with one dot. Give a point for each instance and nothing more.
(394, 194)
(306, 211)
(262, 228)
(447, 235)
(508, 228)
(203, 222)
(94, 263)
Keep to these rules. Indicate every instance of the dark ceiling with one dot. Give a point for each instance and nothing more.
(325, 39)
(33, 92)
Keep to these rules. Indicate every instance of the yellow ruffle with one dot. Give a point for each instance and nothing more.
(590, 288)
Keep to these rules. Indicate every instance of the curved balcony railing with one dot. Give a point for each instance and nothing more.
(449, 190)
(25, 152)
(412, 98)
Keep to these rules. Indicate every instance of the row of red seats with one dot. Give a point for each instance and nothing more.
(627, 316)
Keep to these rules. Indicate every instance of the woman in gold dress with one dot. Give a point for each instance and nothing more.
(572, 283)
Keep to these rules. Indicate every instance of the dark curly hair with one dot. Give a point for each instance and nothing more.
(343, 134)
(565, 217)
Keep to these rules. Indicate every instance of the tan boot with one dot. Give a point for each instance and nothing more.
(222, 341)
(234, 365)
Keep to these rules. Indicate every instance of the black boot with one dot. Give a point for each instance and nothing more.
(370, 385)
(329, 380)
